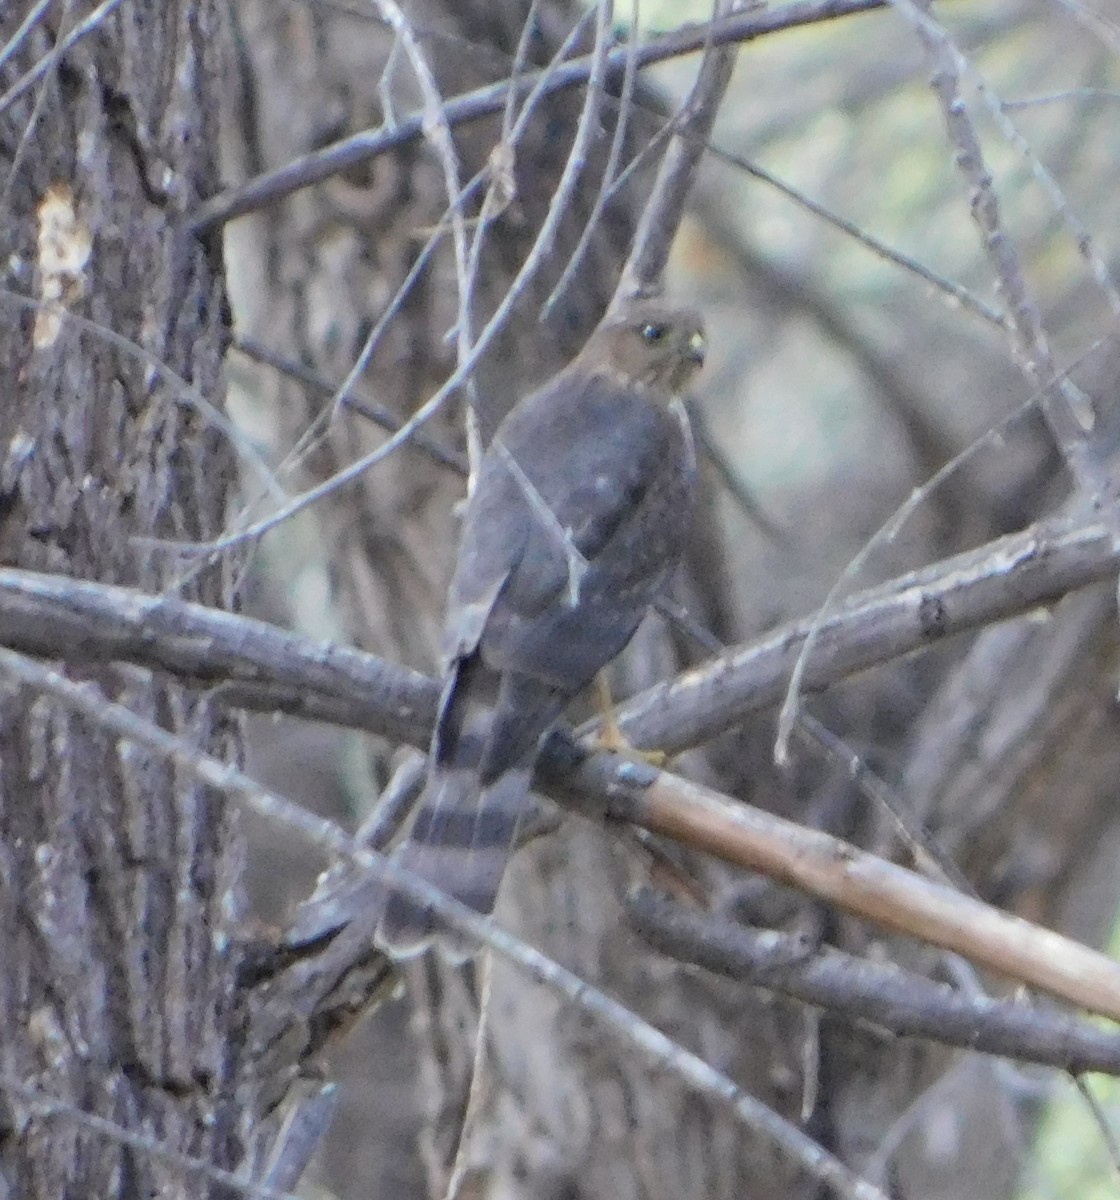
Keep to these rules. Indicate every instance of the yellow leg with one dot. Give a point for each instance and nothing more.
(610, 736)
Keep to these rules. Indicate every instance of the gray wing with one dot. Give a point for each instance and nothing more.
(615, 469)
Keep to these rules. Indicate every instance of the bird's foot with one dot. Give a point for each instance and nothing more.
(610, 736)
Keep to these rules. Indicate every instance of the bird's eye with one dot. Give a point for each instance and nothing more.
(653, 334)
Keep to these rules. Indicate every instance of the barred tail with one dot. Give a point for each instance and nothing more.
(465, 827)
(460, 841)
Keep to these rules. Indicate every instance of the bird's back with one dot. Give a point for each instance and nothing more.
(614, 472)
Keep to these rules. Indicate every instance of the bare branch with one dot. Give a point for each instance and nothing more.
(486, 101)
(1068, 414)
(49, 61)
(953, 292)
(436, 129)
(185, 392)
(839, 873)
(1005, 578)
(900, 1002)
(614, 155)
(307, 377)
(249, 663)
(902, 618)
(257, 666)
(55, 1108)
(692, 127)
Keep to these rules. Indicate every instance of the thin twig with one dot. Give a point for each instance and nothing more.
(436, 129)
(884, 535)
(184, 392)
(623, 111)
(48, 1108)
(692, 126)
(26, 25)
(311, 379)
(50, 60)
(954, 292)
(1069, 416)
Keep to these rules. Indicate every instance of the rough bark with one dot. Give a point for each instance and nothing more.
(116, 994)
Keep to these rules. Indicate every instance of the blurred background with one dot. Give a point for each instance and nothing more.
(858, 350)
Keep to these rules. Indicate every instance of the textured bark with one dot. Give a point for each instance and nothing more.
(116, 994)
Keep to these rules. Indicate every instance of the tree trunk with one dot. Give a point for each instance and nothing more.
(117, 990)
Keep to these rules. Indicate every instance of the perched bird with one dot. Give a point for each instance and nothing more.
(579, 514)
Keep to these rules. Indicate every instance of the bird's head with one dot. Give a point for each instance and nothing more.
(652, 343)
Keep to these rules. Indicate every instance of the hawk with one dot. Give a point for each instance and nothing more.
(579, 514)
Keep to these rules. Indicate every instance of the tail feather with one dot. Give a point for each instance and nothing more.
(461, 840)
(465, 825)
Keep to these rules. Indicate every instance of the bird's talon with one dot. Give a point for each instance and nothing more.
(612, 739)
(610, 736)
